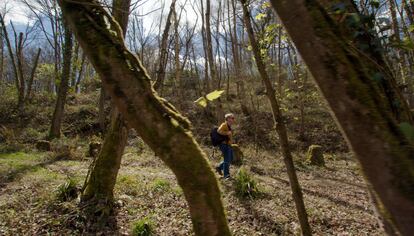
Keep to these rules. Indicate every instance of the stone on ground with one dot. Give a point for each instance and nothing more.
(315, 155)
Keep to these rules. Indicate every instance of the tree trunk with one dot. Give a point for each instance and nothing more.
(205, 48)
(210, 56)
(80, 74)
(63, 87)
(75, 65)
(32, 75)
(177, 65)
(408, 11)
(22, 84)
(101, 109)
(280, 125)
(163, 50)
(364, 99)
(100, 184)
(155, 120)
(1, 54)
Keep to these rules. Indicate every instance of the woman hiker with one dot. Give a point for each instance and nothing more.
(225, 146)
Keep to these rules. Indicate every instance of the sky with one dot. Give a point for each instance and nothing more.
(148, 10)
(16, 11)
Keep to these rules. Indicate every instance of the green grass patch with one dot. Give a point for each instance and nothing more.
(21, 156)
(143, 227)
(161, 185)
(128, 184)
(16, 164)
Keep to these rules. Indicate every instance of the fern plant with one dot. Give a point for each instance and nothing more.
(246, 185)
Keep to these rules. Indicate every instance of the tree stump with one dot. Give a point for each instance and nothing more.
(94, 148)
(237, 155)
(315, 155)
(43, 145)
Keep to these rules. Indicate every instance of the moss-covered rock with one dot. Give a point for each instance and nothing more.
(315, 155)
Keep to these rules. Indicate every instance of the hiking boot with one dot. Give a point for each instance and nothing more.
(227, 178)
(218, 170)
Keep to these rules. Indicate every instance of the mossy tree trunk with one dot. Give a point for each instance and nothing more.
(155, 120)
(280, 124)
(57, 117)
(350, 71)
(99, 185)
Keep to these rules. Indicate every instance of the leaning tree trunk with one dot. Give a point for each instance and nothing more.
(280, 125)
(155, 120)
(63, 87)
(163, 59)
(20, 63)
(32, 75)
(375, 120)
(99, 185)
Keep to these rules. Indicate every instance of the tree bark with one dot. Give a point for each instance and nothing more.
(57, 117)
(80, 74)
(280, 125)
(99, 185)
(155, 120)
(22, 84)
(32, 75)
(101, 109)
(163, 50)
(209, 44)
(1, 54)
(363, 97)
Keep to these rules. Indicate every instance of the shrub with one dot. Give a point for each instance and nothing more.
(143, 227)
(67, 191)
(246, 185)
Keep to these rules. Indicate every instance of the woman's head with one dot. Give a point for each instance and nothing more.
(229, 118)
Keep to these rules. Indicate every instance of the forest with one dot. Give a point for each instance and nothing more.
(200, 117)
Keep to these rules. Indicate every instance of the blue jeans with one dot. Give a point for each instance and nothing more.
(228, 157)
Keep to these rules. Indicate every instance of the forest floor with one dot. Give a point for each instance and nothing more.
(335, 196)
(146, 190)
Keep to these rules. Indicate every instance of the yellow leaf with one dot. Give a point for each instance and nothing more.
(202, 101)
(214, 95)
